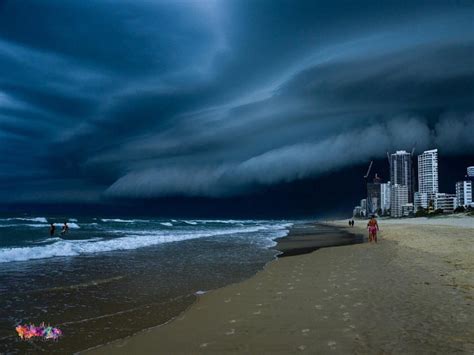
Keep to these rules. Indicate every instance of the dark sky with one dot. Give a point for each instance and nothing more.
(226, 107)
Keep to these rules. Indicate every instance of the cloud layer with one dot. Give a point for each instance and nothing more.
(219, 98)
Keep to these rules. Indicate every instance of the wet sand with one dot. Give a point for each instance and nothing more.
(400, 296)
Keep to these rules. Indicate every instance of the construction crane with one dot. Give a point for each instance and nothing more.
(368, 170)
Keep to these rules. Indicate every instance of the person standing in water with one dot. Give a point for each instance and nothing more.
(65, 229)
(373, 227)
(52, 229)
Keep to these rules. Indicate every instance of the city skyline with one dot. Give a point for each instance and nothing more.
(426, 195)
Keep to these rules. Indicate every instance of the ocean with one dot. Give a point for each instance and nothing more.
(112, 277)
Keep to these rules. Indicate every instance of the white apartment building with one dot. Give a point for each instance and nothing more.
(385, 196)
(421, 200)
(470, 171)
(428, 172)
(398, 198)
(464, 193)
(445, 202)
(408, 209)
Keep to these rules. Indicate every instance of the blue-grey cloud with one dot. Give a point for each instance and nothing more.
(219, 98)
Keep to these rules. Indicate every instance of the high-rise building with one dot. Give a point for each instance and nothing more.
(421, 200)
(464, 193)
(398, 198)
(445, 202)
(385, 197)
(401, 171)
(470, 171)
(374, 205)
(428, 172)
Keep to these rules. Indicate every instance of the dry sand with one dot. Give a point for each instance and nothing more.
(412, 293)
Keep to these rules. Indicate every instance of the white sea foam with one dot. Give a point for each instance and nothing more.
(134, 240)
(118, 220)
(193, 223)
(73, 219)
(37, 225)
(30, 219)
(167, 224)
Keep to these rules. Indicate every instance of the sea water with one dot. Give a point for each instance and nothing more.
(111, 277)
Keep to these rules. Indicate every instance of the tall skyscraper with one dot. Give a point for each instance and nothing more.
(385, 196)
(374, 205)
(464, 193)
(428, 173)
(401, 171)
(398, 198)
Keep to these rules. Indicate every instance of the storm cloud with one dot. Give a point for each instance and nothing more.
(142, 99)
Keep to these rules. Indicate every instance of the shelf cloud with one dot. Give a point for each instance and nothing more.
(218, 98)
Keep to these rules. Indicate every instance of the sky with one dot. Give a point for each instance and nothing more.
(191, 104)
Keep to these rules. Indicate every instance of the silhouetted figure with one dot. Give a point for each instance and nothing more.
(65, 229)
(352, 222)
(52, 229)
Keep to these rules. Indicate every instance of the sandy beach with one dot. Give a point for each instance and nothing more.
(413, 292)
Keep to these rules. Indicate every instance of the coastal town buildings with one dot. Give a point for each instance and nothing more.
(401, 171)
(428, 172)
(398, 198)
(421, 200)
(374, 205)
(470, 172)
(408, 209)
(393, 197)
(385, 197)
(445, 202)
(464, 193)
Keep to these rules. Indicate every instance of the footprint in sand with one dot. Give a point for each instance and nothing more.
(237, 294)
(305, 331)
(325, 290)
(325, 317)
(228, 300)
(279, 293)
(204, 345)
(230, 332)
(289, 284)
(358, 304)
(301, 348)
(290, 288)
(232, 321)
(318, 306)
(259, 304)
(332, 345)
(257, 313)
(352, 326)
(298, 280)
(346, 296)
(354, 289)
(342, 306)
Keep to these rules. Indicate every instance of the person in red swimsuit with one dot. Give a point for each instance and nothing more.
(373, 227)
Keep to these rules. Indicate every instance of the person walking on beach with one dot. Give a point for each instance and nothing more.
(65, 229)
(52, 229)
(373, 227)
(352, 223)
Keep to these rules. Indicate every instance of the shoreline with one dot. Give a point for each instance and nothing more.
(286, 246)
(361, 298)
